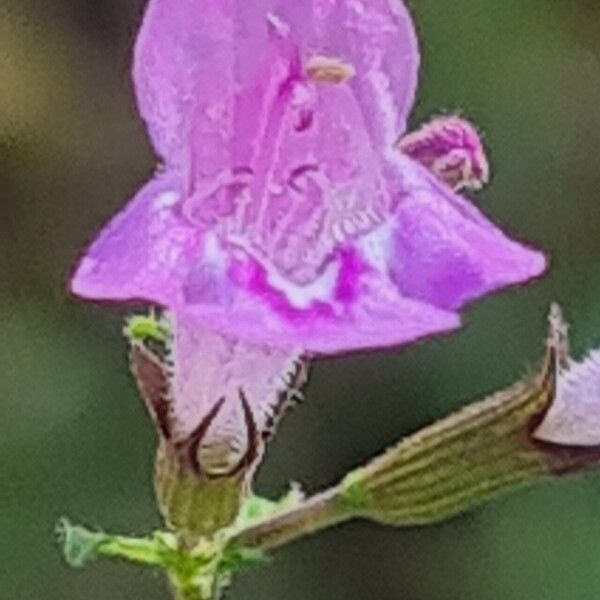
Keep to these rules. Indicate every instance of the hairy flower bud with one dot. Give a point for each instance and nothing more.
(451, 149)
(215, 403)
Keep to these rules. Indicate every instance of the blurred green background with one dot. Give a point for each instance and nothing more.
(74, 438)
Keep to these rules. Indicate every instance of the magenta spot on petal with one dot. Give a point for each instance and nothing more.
(253, 277)
(304, 120)
(352, 267)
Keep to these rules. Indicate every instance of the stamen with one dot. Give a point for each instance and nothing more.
(324, 69)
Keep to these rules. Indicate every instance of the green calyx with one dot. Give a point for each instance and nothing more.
(192, 504)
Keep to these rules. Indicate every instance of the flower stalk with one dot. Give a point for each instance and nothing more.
(314, 514)
(489, 448)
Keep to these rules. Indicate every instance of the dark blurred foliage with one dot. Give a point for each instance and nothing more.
(74, 438)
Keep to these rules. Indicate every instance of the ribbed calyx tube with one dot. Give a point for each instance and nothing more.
(191, 504)
(458, 463)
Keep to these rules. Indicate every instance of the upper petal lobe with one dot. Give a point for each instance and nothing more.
(194, 58)
(184, 76)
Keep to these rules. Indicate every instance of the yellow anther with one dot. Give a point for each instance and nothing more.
(325, 69)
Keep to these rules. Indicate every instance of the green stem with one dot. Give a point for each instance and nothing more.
(142, 551)
(319, 512)
(183, 591)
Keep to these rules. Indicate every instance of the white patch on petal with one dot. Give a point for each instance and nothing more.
(166, 200)
(302, 296)
(280, 27)
(376, 247)
(379, 84)
(574, 417)
(214, 254)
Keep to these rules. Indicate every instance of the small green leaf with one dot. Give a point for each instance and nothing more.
(255, 508)
(152, 551)
(80, 546)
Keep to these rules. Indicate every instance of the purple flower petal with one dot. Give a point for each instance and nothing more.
(399, 283)
(378, 38)
(195, 59)
(210, 368)
(144, 252)
(150, 253)
(445, 252)
(358, 309)
(288, 218)
(183, 65)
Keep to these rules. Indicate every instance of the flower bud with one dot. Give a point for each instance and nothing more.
(451, 149)
(215, 403)
(573, 418)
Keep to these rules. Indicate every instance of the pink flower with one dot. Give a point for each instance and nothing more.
(285, 216)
